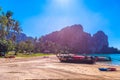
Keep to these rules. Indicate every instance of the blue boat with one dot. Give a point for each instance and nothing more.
(103, 69)
(107, 69)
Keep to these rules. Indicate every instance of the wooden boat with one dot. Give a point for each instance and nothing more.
(102, 58)
(71, 58)
(111, 69)
(107, 69)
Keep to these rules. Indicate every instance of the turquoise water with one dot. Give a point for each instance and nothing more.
(115, 58)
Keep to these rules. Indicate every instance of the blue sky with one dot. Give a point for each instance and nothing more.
(40, 17)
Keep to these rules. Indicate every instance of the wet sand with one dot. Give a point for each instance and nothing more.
(48, 68)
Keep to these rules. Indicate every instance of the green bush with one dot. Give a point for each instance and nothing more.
(6, 46)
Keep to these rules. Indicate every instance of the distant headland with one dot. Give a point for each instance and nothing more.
(77, 41)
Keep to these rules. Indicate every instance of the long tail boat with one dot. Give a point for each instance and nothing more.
(102, 58)
(71, 58)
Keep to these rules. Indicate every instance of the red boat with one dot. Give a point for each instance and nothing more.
(111, 69)
(71, 58)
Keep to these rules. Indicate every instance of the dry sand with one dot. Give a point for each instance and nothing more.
(50, 68)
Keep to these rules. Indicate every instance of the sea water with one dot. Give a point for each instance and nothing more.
(114, 57)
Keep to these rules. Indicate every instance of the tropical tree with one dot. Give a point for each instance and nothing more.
(8, 25)
(20, 47)
(45, 46)
(3, 24)
(29, 46)
(24, 47)
(6, 46)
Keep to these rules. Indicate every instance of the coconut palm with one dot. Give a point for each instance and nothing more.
(3, 23)
(7, 26)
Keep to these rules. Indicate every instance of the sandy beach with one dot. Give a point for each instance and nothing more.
(48, 68)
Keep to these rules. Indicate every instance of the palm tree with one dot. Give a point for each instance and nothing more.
(8, 25)
(3, 23)
(16, 29)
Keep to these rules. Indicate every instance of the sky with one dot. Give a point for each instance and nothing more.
(41, 17)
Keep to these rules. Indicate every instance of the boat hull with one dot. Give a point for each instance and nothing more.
(103, 58)
(107, 69)
(79, 61)
(76, 59)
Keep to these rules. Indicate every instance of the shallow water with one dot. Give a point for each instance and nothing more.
(115, 58)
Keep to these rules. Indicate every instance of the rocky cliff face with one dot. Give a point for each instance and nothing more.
(77, 40)
(100, 40)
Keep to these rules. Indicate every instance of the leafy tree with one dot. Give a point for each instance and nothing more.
(29, 46)
(6, 46)
(45, 46)
(3, 47)
(10, 45)
(24, 46)
(8, 25)
(20, 47)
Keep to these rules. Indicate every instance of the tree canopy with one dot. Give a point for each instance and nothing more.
(8, 25)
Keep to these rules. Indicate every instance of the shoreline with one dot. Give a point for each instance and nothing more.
(51, 68)
(107, 64)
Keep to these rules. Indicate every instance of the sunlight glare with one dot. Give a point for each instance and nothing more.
(63, 3)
